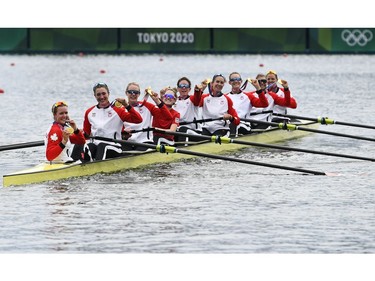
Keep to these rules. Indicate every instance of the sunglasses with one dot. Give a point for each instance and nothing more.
(169, 96)
(133, 92)
(262, 80)
(235, 79)
(217, 75)
(100, 85)
(57, 104)
(184, 86)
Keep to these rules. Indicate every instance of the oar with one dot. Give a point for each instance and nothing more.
(291, 127)
(181, 123)
(172, 149)
(261, 112)
(326, 121)
(201, 120)
(142, 130)
(21, 145)
(218, 139)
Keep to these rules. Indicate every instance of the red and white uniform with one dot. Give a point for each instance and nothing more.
(273, 99)
(189, 109)
(215, 107)
(55, 149)
(147, 112)
(163, 119)
(244, 102)
(108, 122)
(283, 109)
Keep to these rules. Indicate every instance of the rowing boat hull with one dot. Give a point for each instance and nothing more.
(49, 172)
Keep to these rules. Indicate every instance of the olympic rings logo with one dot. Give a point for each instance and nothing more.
(356, 37)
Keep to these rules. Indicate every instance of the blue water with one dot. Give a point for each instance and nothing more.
(202, 206)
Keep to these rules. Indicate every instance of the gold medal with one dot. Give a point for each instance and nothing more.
(69, 130)
(118, 104)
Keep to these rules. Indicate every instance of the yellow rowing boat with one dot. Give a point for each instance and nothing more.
(134, 159)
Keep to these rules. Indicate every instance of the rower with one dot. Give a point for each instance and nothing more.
(106, 119)
(278, 99)
(214, 105)
(63, 140)
(244, 102)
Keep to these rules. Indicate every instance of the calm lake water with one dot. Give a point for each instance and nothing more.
(202, 206)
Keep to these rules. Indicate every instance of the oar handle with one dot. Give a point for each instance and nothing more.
(200, 120)
(142, 130)
(261, 112)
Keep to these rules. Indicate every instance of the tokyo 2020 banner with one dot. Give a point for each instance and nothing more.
(189, 40)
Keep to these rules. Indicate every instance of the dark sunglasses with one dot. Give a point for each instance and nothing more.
(133, 92)
(262, 80)
(184, 86)
(235, 79)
